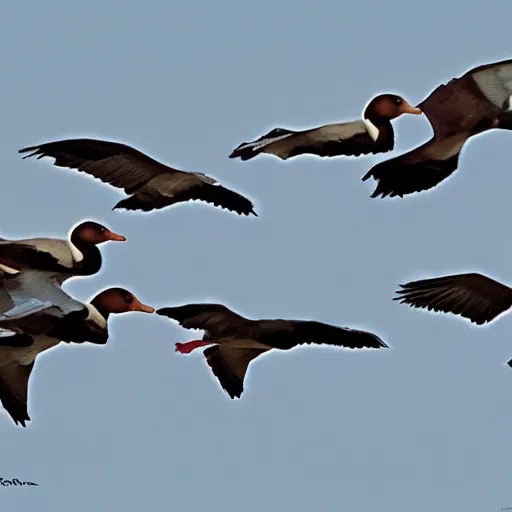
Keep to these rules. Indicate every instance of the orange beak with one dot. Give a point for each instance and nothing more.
(110, 235)
(138, 306)
(409, 109)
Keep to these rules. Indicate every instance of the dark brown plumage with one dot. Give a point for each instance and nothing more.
(467, 106)
(149, 183)
(239, 340)
(374, 134)
(14, 391)
(473, 296)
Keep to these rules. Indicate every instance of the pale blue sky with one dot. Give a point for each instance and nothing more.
(423, 426)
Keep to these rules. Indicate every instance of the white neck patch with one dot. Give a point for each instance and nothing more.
(9, 270)
(75, 253)
(96, 317)
(372, 130)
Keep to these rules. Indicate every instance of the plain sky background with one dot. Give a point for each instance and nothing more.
(423, 426)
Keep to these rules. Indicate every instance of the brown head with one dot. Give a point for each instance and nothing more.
(118, 300)
(387, 107)
(94, 233)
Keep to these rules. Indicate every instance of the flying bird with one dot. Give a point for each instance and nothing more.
(238, 340)
(18, 350)
(373, 134)
(149, 184)
(467, 106)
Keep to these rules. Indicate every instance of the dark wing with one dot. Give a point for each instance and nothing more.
(17, 255)
(472, 296)
(12, 339)
(117, 164)
(208, 317)
(229, 363)
(14, 391)
(285, 334)
(347, 139)
(421, 169)
(154, 198)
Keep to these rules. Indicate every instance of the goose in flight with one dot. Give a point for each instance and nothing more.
(373, 134)
(476, 102)
(238, 340)
(149, 184)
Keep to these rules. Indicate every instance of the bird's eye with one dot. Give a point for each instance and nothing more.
(128, 299)
(398, 101)
(102, 229)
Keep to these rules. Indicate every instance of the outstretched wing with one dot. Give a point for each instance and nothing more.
(473, 296)
(208, 317)
(285, 334)
(229, 362)
(152, 197)
(420, 169)
(118, 164)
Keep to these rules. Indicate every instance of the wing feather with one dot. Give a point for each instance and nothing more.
(473, 296)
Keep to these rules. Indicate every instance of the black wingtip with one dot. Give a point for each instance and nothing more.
(244, 152)
(27, 149)
(32, 150)
(367, 176)
(510, 363)
(381, 343)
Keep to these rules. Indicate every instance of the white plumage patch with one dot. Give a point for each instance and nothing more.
(25, 309)
(6, 333)
(9, 270)
(496, 83)
(77, 255)
(96, 317)
(372, 130)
